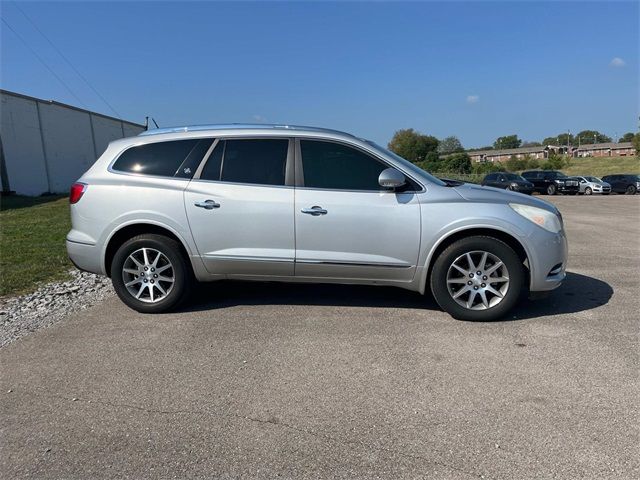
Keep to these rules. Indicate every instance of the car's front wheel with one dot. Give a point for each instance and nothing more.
(150, 274)
(552, 189)
(588, 191)
(631, 190)
(478, 278)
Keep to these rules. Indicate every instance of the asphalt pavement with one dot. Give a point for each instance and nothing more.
(307, 381)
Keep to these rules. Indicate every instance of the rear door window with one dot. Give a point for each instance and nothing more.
(178, 158)
(253, 161)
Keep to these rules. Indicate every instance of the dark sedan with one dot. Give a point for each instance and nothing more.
(509, 181)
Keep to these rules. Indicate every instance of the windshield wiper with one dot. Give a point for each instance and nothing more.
(452, 183)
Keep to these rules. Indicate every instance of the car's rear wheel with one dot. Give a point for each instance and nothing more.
(150, 274)
(478, 278)
(631, 190)
(588, 191)
(552, 189)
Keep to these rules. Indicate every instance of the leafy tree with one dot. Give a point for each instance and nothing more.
(627, 137)
(514, 164)
(531, 144)
(636, 143)
(560, 139)
(487, 167)
(508, 141)
(591, 136)
(412, 145)
(433, 163)
(458, 163)
(554, 162)
(450, 145)
(533, 164)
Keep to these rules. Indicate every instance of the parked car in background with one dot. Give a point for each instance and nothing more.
(302, 204)
(552, 182)
(591, 185)
(509, 181)
(624, 183)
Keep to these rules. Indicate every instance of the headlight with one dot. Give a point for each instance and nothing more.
(514, 185)
(543, 218)
(559, 181)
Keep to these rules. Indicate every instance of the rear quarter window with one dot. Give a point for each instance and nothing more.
(178, 158)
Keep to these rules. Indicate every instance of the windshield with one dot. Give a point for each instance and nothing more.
(560, 175)
(406, 163)
(592, 179)
(513, 176)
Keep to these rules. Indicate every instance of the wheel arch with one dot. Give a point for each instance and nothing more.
(125, 232)
(456, 235)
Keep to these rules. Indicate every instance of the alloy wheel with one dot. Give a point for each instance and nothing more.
(148, 275)
(478, 280)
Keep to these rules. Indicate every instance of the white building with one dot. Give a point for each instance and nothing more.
(45, 145)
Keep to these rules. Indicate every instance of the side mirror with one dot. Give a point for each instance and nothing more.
(391, 178)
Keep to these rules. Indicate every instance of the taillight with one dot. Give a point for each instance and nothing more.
(76, 192)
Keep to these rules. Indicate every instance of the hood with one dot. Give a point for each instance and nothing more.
(476, 193)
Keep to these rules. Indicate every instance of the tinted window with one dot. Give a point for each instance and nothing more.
(161, 158)
(338, 167)
(191, 163)
(255, 161)
(211, 170)
(491, 176)
(529, 175)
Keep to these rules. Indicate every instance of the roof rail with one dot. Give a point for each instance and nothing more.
(240, 126)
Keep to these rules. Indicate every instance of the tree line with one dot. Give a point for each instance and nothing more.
(449, 155)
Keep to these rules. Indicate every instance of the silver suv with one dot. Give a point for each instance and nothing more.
(300, 204)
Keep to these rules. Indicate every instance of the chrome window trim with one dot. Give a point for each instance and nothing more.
(353, 264)
(300, 170)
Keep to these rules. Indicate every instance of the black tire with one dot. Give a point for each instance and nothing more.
(552, 189)
(182, 273)
(588, 191)
(630, 190)
(504, 252)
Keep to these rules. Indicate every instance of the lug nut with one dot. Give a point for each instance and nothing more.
(484, 277)
(475, 288)
(151, 281)
(153, 269)
(145, 269)
(155, 275)
(145, 281)
(479, 272)
(469, 282)
(483, 285)
(471, 275)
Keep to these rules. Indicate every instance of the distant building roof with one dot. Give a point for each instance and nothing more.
(603, 146)
(512, 151)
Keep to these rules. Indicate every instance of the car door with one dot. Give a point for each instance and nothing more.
(500, 181)
(240, 207)
(347, 226)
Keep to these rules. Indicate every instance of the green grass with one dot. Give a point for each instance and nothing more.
(600, 166)
(32, 246)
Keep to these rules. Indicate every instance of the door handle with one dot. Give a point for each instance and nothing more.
(315, 211)
(207, 204)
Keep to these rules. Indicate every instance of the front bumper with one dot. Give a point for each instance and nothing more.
(548, 255)
(568, 188)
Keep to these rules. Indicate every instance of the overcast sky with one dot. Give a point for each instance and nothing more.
(476, 70)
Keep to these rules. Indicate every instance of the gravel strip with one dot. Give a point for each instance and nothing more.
(50, 303)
